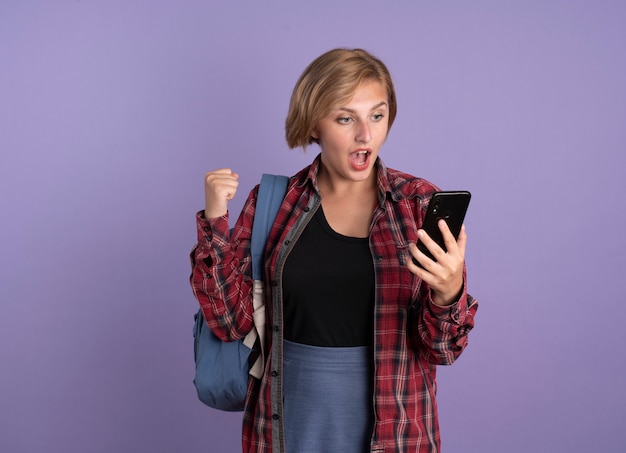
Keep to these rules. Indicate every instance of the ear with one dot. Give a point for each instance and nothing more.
(315, 134)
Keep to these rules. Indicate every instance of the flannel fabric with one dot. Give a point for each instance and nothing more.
(412, 335)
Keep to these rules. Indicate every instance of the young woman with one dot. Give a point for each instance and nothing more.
(354, 328)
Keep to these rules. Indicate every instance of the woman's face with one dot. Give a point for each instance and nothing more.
(351, 136)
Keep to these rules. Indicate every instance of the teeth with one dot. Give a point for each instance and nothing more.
(361, 157)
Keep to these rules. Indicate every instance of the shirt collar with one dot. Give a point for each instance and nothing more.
(382, 178)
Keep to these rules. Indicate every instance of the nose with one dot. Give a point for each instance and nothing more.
(363, 133)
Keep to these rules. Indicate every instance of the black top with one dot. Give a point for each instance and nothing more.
(328, 284)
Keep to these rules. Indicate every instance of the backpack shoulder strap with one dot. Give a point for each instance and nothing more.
(271, 194)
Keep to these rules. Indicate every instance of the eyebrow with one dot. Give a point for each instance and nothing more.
(380, 104)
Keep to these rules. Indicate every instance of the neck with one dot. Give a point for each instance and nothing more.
(333, 184)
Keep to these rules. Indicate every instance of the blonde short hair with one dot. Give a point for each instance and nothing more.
(331, 79)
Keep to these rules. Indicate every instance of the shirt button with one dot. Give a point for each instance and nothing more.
(274, 373)
(206, 228)
(307, 209)
(275, 416)
(274, 283)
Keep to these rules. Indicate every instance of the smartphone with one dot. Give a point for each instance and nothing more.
(450, 206)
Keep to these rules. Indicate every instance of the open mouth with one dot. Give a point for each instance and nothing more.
(360, 158)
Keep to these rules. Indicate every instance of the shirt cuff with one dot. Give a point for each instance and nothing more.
(211, 230)
(452, 311)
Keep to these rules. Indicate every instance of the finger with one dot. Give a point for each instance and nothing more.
(462, 241)
(430, 244)
(222, 174)
(427, 273)
(423, 259)
(220, 187)
(221, 171)
(214, 180)
(448, 237)
(226, 188)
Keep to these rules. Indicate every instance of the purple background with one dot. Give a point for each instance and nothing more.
(111, 112)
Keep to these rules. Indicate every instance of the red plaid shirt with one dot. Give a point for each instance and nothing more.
(411, 334)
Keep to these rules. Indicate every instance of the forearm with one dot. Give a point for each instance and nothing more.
(442, 331)
(220, 278)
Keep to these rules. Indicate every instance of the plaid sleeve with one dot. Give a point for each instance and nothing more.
(221, 274)
(443, 331)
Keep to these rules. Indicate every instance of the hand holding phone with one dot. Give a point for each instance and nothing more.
(450, 206)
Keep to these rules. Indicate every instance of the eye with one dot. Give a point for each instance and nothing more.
(378, 116)
(344, 120)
